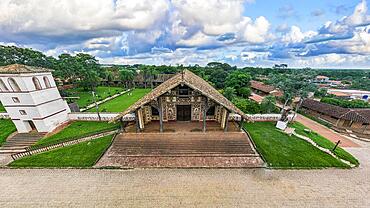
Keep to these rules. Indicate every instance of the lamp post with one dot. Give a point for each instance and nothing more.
(96, 105)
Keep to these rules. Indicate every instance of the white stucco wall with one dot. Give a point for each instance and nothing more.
(45, 107)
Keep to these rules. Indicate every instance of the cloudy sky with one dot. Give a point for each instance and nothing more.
(302, 33)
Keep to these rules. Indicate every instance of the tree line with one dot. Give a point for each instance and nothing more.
(85, 71)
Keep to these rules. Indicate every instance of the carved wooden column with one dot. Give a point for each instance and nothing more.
(160, 115)
(205, 109)
(226, 120)
(241, 123)
(123, 125)
(137, 122)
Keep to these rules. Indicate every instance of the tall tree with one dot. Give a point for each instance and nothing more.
(230, 93)
(126, 76)
(239, 80)
(268, 104)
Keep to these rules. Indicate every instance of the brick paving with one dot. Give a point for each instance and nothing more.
(188, 187)
(182, 149)
(326, 132)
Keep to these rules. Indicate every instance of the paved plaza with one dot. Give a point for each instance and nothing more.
(188, 187)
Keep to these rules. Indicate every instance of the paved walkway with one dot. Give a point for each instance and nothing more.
(326, 132)
(188, 187)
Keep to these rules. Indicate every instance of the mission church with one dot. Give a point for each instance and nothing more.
(184, 97)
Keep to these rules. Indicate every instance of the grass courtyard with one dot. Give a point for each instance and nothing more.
(325, 143)
(122, 102)
(77, 129)
(86, 97)
(283, 151)
(80, 155)
(6, 128)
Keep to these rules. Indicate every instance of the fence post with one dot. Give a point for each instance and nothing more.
(336, 145)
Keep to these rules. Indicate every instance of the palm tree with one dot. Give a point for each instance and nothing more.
(126, 76)
(153, 72)
(148, 73)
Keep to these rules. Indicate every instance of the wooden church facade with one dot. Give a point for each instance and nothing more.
(187, 98)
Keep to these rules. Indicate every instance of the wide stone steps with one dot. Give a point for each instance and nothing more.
(20, 142)
(141, 147)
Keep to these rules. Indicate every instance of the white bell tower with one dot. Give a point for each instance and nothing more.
(31, 98)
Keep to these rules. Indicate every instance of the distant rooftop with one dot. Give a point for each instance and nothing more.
(261, 86)
(322, 77)
(21, 69)
(266, 88)
(348, 91)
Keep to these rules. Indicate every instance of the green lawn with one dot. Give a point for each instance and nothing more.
(323, 142)
(283, 151)
(77, 129)
(80, 155)
(86, 97)
(122, 102)
(2, 109)
(6, 128)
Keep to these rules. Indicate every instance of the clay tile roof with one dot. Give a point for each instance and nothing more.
(327, 109)
(322, 77)
(277, 93)
(261, 86)
(357, 115)
(21, 69)
(193, 81)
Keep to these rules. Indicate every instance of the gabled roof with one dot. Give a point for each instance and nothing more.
(357, 115)
(193, 81)
(266, 88)
(261, 86)
(327, 109)
(21, 69)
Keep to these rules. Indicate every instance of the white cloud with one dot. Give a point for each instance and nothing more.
(359, 43)
(199, 39)
(295, 35)
(333, 60)
(359, 16)
(55, 17)
(215, 17)
(257, 31)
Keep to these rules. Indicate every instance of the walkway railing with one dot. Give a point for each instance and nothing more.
(4, 116)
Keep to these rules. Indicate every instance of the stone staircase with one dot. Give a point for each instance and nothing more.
(181, 150)
(234, 144)
(19, 142)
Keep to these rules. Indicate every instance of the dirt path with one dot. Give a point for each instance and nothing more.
(326, 132)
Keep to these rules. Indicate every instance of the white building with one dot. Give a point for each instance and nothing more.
(321, 79)
(351, 94)
(31, 98)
